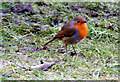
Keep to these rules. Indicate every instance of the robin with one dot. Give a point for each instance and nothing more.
(71, 33)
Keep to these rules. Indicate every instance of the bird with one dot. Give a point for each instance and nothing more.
(71, 33)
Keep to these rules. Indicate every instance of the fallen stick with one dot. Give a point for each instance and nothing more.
(42, 66)
(18, 65)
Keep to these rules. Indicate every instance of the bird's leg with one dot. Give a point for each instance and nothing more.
(74, 50)
(66, 48)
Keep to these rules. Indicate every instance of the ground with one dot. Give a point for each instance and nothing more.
(26, 27)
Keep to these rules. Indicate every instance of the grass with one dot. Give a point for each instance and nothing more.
(19, 41)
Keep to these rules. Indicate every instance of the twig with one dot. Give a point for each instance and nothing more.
(18, 65)
(43, 66)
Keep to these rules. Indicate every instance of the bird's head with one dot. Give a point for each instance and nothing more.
(80, 20)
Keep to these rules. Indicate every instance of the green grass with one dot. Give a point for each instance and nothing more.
(100, 48)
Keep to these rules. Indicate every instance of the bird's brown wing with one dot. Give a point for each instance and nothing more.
(68, 25)
(63, 33)
(66, 33)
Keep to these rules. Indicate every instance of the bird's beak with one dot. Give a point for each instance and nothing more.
(85, 22)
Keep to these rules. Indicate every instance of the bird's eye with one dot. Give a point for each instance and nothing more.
(78, 21)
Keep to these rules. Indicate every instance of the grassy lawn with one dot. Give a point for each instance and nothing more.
(24, 29)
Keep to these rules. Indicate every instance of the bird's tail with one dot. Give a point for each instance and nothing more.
(49, 41)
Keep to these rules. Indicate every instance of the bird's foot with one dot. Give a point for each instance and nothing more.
(73, 53)
(44, 48)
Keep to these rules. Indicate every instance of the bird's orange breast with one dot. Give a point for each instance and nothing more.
(82, 29)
